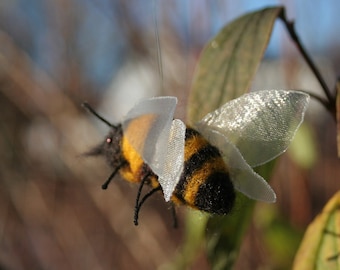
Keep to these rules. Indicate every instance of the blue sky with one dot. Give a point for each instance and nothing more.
(98, 34)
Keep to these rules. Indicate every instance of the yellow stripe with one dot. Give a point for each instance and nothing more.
(192, 145)
(138, 129)
(133, 172)
(136, 133)
(135, 162)
(199, 177)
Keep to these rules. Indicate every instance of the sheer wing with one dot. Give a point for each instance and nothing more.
(150, 129)
(242, 175)
(260, 124)
(174, 160)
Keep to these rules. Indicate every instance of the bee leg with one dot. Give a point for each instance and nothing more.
(139, 203)
(137, 207)
(107, 182)
(174, 215)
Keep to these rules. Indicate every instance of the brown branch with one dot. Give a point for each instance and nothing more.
(330, 104)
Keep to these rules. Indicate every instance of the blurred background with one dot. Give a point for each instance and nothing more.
(55, 54)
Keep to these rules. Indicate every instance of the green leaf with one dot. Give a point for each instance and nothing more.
(280, 238)
(225, 233)
(224, 72)
(229, 61)
(194, 238)
(302, 149)
(320, 247)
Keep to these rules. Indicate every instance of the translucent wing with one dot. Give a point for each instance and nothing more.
(174, 161)
(147, 127)
(150, 129)
(242, 175)
(260, 124)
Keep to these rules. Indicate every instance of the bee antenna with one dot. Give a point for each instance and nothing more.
(91, 110)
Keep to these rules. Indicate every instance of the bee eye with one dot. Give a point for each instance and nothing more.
(108, 140)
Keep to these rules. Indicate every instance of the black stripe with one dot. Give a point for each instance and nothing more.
(195, 162)
(190, 132)
(216, 195)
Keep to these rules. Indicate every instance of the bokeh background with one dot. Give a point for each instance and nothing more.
(55, 54)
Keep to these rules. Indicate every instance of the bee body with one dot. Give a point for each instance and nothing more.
(203, 178)
(200, 167)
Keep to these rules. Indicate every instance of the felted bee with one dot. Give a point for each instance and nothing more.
(201, 166)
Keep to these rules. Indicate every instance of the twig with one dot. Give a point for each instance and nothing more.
(330, 105)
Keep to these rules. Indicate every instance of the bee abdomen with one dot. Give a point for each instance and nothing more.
(207, 189)
(216, 195)
(205, 183)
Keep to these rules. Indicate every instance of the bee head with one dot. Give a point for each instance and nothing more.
(111, 146)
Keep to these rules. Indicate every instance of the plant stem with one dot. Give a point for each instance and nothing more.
(330, 105)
